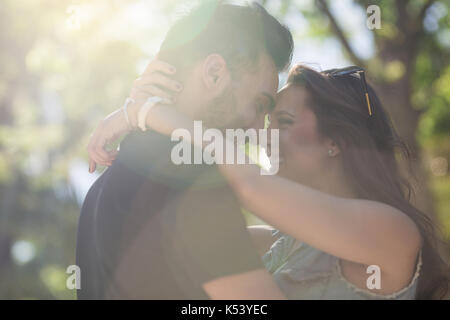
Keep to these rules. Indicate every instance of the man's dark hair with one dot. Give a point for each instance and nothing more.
(239, 33)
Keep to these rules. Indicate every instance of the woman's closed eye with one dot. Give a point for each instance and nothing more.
(285, 121)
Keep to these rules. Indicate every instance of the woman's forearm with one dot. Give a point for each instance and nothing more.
(347, 228)
(165, 119)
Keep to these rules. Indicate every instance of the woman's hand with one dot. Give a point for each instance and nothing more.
(155, 81)
(107, 131)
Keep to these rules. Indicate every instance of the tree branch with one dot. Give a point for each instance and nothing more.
(424, 9)
(421, 16)
(323, 6)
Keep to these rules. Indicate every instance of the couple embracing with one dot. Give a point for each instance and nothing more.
(154, 229)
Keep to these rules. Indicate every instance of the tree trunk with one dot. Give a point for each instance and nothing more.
(396, 97)
(397, 102)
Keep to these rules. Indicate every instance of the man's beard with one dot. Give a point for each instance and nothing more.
(222, 113)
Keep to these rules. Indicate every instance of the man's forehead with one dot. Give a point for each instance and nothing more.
(262, 81)
(267, 67)
(268, 76)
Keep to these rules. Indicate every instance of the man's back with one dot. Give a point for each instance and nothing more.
(152, 230)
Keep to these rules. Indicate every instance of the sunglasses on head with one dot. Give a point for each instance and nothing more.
(352, 70)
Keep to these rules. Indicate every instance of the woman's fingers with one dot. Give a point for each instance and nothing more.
(98, 155)
(160, 66)
(98, 142)
(92, 165)
(95, 153)
(159, 80)
(106, 132)
(100, 149)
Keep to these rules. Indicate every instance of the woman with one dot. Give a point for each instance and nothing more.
(339, 202)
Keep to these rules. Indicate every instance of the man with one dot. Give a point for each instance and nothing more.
(150, 229)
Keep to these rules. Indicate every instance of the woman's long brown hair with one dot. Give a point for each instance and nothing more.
(369, 146)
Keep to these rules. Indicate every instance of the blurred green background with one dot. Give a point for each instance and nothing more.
(65, 64)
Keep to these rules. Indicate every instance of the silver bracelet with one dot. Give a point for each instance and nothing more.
(124, 108)
(143, 111)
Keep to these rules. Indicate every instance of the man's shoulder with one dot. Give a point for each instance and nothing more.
(149, 154)
(144, 149)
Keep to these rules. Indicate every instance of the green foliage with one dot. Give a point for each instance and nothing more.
(441, 191)
(66, 64)
(64, 67)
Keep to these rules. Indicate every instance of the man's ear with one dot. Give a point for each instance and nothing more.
(215, 73)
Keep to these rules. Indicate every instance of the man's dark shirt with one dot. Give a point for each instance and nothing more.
(150, 229)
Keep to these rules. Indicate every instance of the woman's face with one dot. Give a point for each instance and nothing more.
(303, 151)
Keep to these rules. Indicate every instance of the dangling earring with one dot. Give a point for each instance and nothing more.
(330, 152)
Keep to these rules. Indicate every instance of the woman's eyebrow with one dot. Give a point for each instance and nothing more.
(283, 112)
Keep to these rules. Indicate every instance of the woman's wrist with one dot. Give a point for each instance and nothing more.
(133, 111)
(165, 119)
(145, 110)
(124, 109)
